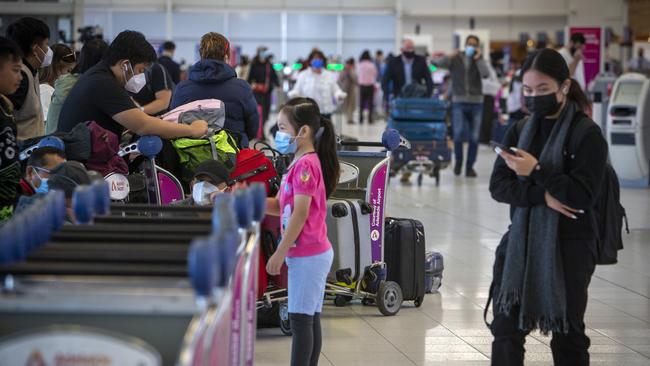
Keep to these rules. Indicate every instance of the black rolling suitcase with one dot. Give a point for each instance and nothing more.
(404, 249)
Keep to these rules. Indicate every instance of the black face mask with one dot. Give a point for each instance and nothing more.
(543, 105)
(409, 54)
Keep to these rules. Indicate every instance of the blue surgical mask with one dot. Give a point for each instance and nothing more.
(469, 51)
(285, 143)
(317, 64)
(44, 187)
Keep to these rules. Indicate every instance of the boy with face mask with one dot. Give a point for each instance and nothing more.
(10, 79)
(33, 37)
(210, 179)
(40, 166)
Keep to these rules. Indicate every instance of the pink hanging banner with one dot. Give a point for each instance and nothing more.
(593, 53)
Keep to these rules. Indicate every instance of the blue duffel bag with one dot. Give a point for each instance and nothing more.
(420, 130)
(419, 109)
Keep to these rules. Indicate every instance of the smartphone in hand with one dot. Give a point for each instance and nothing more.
(500, 147)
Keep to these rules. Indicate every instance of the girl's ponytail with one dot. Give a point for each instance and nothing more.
(577, 95)
(326, 150)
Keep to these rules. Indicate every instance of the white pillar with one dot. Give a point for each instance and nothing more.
(339, 36)
(284, 36)
(168, 20)
(398, 24)
(77, 21)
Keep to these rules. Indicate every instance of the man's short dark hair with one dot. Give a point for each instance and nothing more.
(474, 37)
(26, 32)
(379, 52)
(9, 51)
(132, 46)
(578, 38)
(37, 158)
(168, 46)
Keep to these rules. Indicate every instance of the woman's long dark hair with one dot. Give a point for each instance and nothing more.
(305, 111)
(550, 62)
(365, 56)
(91, 53)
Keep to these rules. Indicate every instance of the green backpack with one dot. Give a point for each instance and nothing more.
(221, 146)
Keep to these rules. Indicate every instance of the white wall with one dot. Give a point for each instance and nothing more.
(368, 24)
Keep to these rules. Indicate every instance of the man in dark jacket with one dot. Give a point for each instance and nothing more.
(467, 71)
(213, 78)
(166, 59)
(408, 68)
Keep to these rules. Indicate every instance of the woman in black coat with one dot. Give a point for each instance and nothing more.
(263, 79)
(551, 180)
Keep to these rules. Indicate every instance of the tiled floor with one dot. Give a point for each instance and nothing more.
(465, 224)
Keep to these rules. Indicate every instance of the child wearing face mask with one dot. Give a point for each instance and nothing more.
(32, 36)
(301, 203)
(551, 180)
(210, 179)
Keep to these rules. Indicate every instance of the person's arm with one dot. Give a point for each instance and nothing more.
(163, 99)
(427, 78)
(141, 124)
(19, 96)
(506, 187)
(386, 80)
(483, 68)
(273, 206)
(274, 77)
(579, 187)
(297, 88)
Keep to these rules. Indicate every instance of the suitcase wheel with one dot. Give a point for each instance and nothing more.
(285, 323)
(418, 301)
(389, 298)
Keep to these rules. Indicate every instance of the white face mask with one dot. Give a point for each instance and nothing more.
(201, 192)
(136, 82)
(47, 59)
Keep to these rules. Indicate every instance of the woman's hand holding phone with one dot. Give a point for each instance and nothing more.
(520, 161)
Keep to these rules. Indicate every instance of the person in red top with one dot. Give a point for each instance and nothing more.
(302, 205)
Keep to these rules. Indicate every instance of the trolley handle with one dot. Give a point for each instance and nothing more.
(361, 143)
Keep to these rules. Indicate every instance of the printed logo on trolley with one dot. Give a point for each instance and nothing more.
(374, 235)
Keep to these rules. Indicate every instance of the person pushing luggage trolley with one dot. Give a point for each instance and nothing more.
(302, 207)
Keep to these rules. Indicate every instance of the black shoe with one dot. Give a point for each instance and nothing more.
(458, 168)
(471, 173)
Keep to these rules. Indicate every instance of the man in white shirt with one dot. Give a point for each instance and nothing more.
(573, 57)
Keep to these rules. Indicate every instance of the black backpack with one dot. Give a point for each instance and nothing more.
(610, 215)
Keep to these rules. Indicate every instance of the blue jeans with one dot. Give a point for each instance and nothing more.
(466, 119)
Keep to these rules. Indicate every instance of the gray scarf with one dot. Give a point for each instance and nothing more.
(533, 274)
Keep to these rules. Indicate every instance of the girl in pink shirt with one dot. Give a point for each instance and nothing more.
(302, 205)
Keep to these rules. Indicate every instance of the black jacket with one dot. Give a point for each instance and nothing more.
(257, 74)
(577, 187)
(172, 68)
(215, 79)
(395, 74)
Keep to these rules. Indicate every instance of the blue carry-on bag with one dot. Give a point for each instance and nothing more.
(420, 130)
(419, 109)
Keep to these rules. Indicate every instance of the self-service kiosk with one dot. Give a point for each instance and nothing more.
(628, 129)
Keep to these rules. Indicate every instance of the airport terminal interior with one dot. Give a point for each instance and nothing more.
(284, 182)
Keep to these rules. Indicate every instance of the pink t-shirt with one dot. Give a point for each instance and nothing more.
(306, 178)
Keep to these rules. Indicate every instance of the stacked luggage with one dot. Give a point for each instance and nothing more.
(422, 121)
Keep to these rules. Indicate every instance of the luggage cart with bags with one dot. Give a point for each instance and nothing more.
(424, 123)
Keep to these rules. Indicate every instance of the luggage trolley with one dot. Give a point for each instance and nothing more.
(364, 178)
(423, 122)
